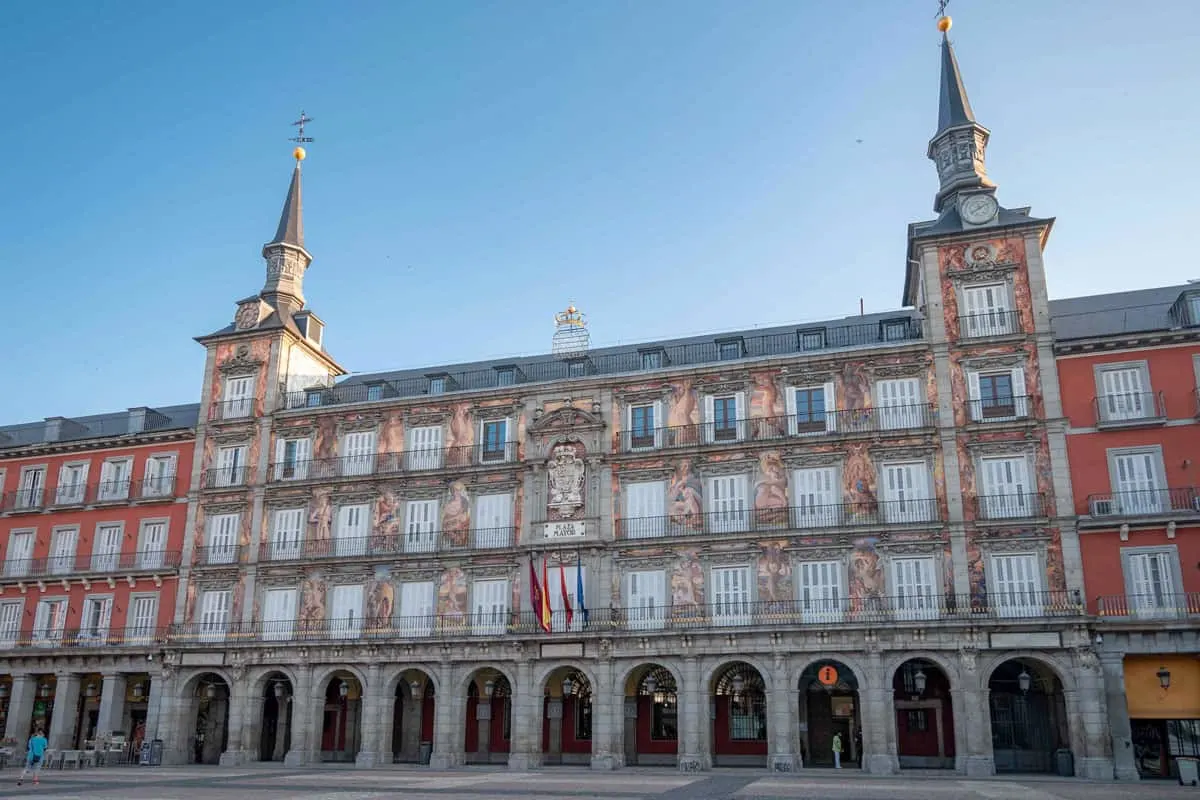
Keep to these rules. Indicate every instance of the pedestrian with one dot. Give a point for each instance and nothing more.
(33, 756)
(837, 751)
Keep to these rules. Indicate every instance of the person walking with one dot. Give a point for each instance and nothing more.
(837, 751)
(33, 756)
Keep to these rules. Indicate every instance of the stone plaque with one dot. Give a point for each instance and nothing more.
(567, 529)
(563, 650)
(1031, 639)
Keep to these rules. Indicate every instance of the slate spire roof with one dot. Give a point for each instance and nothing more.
(291, 221)
(954, 108)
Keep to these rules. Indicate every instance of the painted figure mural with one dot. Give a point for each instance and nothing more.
(859, 483)
(685, 498)
(456, 515)
(767, 408)
(452, 597)
(385, 529)
(391, 434)
(771, 490)
(775, 577)
(312, 602)
(977, 576)
(565, 477)
(866, 575)
(684, 413)
(325, 438)
(856, 386)
(381, 599)
(460, 436)
(687, 586)
(320, 517)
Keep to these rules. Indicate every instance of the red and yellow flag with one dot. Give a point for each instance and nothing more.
(544, 609)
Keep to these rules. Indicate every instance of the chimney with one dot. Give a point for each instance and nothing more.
(58, 429)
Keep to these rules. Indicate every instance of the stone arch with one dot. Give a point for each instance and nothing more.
(1048, 718)
(259, 675)
(1051, 662)
(927, 728)
(202, 731)
(863, 675)
(714, 666)
(269, 735)
(946, 665)
(645, 721)
(410, 724)
(486, 735)
(393, 679)
(473, 671)
(321, 679)
(833, 714)
(669, 664)
(187, 686)
(735, 712)
(565, 721)
(543, 676)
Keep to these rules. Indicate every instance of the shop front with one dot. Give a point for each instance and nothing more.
(1163, 698)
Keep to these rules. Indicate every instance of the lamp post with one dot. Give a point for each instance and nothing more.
(489, 686)
(343, 689)
(651, 684)
(919, 680)
(1024, 680)
(210, 691)
(567, 686)
(1164, 678)
(44, 690)
(415, 687)
(138, 691)
(280, 690)
(90, 691)
(737, 684)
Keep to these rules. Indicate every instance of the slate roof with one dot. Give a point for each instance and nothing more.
(291, 220)
(1139, 311)
(99, 426)
(954, 108)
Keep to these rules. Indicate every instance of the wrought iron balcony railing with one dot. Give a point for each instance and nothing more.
(23, 500)
(130, 637)
(1145, 502)
(1000, 409)
(218, 555)
(418, 460)
(988, 324)
(91, 564)
(833, 515)
(1159, 605)
(66, 495)
(814, 423)
(231, 410)
(1022, 505)
(159, 488)
(224, 477)
(1129, 408)
(411, 543)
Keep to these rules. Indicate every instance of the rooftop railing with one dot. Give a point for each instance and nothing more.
(1129, 408)
(415, 460)
(1145, 502)
(90, 563)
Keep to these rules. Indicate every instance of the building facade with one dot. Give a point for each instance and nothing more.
(750, 545)
(92, 514)
(1129, 366)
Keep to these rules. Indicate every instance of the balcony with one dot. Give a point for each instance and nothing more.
(1000, 409)
(1145, 503)
(223, 477)
(423, 460)
(91, 564)
(23, 501)
(1129, 409)
(231, 410)
(838, 515)
(157, 488)
(411, 543)
(989, 325)
(217, 555)
(1157, 606)
(898, 419)
(133, 637)
(79, 495)
(999, 507)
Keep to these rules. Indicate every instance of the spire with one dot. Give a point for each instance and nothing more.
(291, 221)
(285, 254)
(953, 106)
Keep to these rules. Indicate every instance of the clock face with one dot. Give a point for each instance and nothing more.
(246, 317)
(978, 209)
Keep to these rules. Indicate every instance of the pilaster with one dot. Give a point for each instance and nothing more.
(112, 704)
(605, 748)
(20, 708)
(235, 753)
(526, 728)
(1124, 763)
(303, 717)
(693, 717)
(449, 711)
(65, 717)
(878, 717)
(975, 719)
(372, 710)
(782, 704)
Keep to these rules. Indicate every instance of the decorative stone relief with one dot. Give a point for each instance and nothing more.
(566, 476)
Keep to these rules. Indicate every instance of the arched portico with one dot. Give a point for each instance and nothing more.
(567, 717)
(830, 715)
(487, 726)
(412, 717)
(1028, 715)
(924, 714)
(738, 697)
(207, 699)
(341, 716)
(651, 718)
(275, 697)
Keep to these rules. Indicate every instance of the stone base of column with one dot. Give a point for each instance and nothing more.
(694, 763)
(233, 758)
(880, 764)
(979, 766)
(1127, 774)
(365, 759)
(524, 761)
(785, 762)
(1095, 769)
(606, 762)
(294, 758)
(447, 760)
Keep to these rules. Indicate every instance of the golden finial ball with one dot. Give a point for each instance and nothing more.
(299, 154)
(944, 24)
(571, 309)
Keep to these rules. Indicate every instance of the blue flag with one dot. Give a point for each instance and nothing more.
(580, 605)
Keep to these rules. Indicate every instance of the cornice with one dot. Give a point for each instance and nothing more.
(102, 443)
(1159, 338)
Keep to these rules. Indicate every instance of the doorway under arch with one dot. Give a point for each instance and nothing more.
(488, 723)
(275, 733)
(829, 708)
(651, 717)
(210, 720)
(739, 719)
(1028, 712)
(924, 716)
(412, 718)
(341, 718)
(567, 718)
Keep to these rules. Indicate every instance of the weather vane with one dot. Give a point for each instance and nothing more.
(941, 13)
(300, 138)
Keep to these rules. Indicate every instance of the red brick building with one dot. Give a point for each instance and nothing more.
(1128, 366)
(92, 512)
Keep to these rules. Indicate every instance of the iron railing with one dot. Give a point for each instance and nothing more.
(218, 555)
(160, 488)
(229, 410)
(999, 409)
(414, 543)
(419, 460)
(1022, 505)
(533, 370)
(832, 515)
(842, 421)
(91, 563)
(1142, 502)
(86, 494)
(224, 477)
(131, 637)
(1129, 408)
(1160, 605)
(23, 500)
(991, 323)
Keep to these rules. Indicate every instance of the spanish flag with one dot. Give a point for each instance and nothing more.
(544, 607)
(535, 591)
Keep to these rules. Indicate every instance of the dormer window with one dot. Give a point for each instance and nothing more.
(374, 392)
(812, 339)
(577, 368)
(1185, 313)
(652, 359)
(439, 384)
(894, 330)
(506, 376)
(730, 349)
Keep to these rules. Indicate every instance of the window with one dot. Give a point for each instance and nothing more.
(642, 423)
(152, 545)
(345, 621)
(645, 600)
(374, 392)
(29, 493)
(214, 614)
(558, 614)
(358, 453)
(898, 404)
(725, 417)
(810, 409)
(231, 466)
(817, 497)
(506, 376)
(424, 448)
(72, 480)
(997, 395)
(350, 533)
(114, 479)
(727, 504)
(239, 397)
(279, 614)
(1152, 582)
(1006, 491)
(140, 621)
(820, 589)
(918, 720)
(292, 457)
(652, 359)
(577, 368)
(95, 619)
(437, 385)
(645, 509)
(495, 440)
(986, 311)
(49, 621)
(416, 608)
(812, 340)
(1014, 585)
(1122, 393)
(62, 550)
(222, 538)
(287, 531)
(313, 399)
(913, 588)
(493, 520)
(10, 623)
(159, 480)
(906, 493)
(895, 330)
(489, 601)
(106, 547)
(19, 554)
(729, 350)
(1138, 487)
(731, 595)
(420, 526)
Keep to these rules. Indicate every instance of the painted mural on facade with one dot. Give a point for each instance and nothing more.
(685, 498)
(456, 515)
(241, 354)
(452, 597)
(687, 586)
(767, 408)
(867, 589)
(774, 570)
(312, 601)
(381, 599)
(859, 483)
(320, 516)
(771, 490)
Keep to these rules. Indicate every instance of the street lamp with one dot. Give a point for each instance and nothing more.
(415, 688)
(280, 690)
(3, 690)
(919, 680)
(651, 685)
(137, 691)
(343, 689)
(738, 684)
(1024, 680)
(210, 691)
(1164, 678)
(90, 691)
(568, 685)
(44, 690)
(489, 686)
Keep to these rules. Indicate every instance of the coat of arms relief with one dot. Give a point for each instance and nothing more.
(566, 481)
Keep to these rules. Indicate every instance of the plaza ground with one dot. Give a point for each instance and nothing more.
(272, 783)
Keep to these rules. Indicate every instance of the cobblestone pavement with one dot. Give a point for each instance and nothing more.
(270, 783)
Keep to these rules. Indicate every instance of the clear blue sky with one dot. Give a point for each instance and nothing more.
(673, 167)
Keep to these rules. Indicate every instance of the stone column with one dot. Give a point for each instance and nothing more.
(20, 709)
(303, 713)
(368, 753)
(1124, 764)
(1087, 710)
(483, 722)
(281, 726)
(781, 705)
(972, 712)
(877, 714)
(235, 753)
(693, 716)
(526, 721)
(66, 712)
(607, 710)
(112, 704)
(554, 713)
(162, 721)
(449, 716)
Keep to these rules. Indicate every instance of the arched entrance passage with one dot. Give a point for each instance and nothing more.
(341, 733)
(1028, 716)
(829, 707)
(275, 732)
(924, 716)
(412, 718)
(567, 718)
(488, 724)
(210, 721)
(739, 732)
(651, 717)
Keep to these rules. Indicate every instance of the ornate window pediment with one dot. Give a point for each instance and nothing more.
(483, 572)
(800, 376)
(225, 508)
(920, 452)
(1016, 544)
(423, 418)
(567, 418)
(242, 363)
(233, 438)
(1003, 447)
(806, 461)
(914, 369)
(359, 422)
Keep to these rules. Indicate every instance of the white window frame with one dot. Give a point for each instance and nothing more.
(1019, 595)
(238, 396)
(1150, 602)
(987, 307)
(489, 604)
(425, 447)
(646, 599)
(162, 484)
(297, 468)
(64, 547)
(49, 621)
(732, 595)
(69, 493)
(817, 499)
(280, 605)
(141, 631)
(231, 465)
(222, 535)
(357, 451)
(152, 557)
(899, 404)
(506, 446)
(115, 488)
(908, 504)
(287, 533)
(645, 509)
(492, 520)
(821, 591)
(1020, 399)
(1129, 498)
(18, 562)
(915, 587)
(421, 523)
(727, 511)
(1128, 402)
(11, 614)
(215, 611)
(812, 428)
(740, 423)
(1007, 490)
(656, 437)
(418, 604)
(351, 530)
(346, 625)
(95, 619)
(31, 488)
(107, 558)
